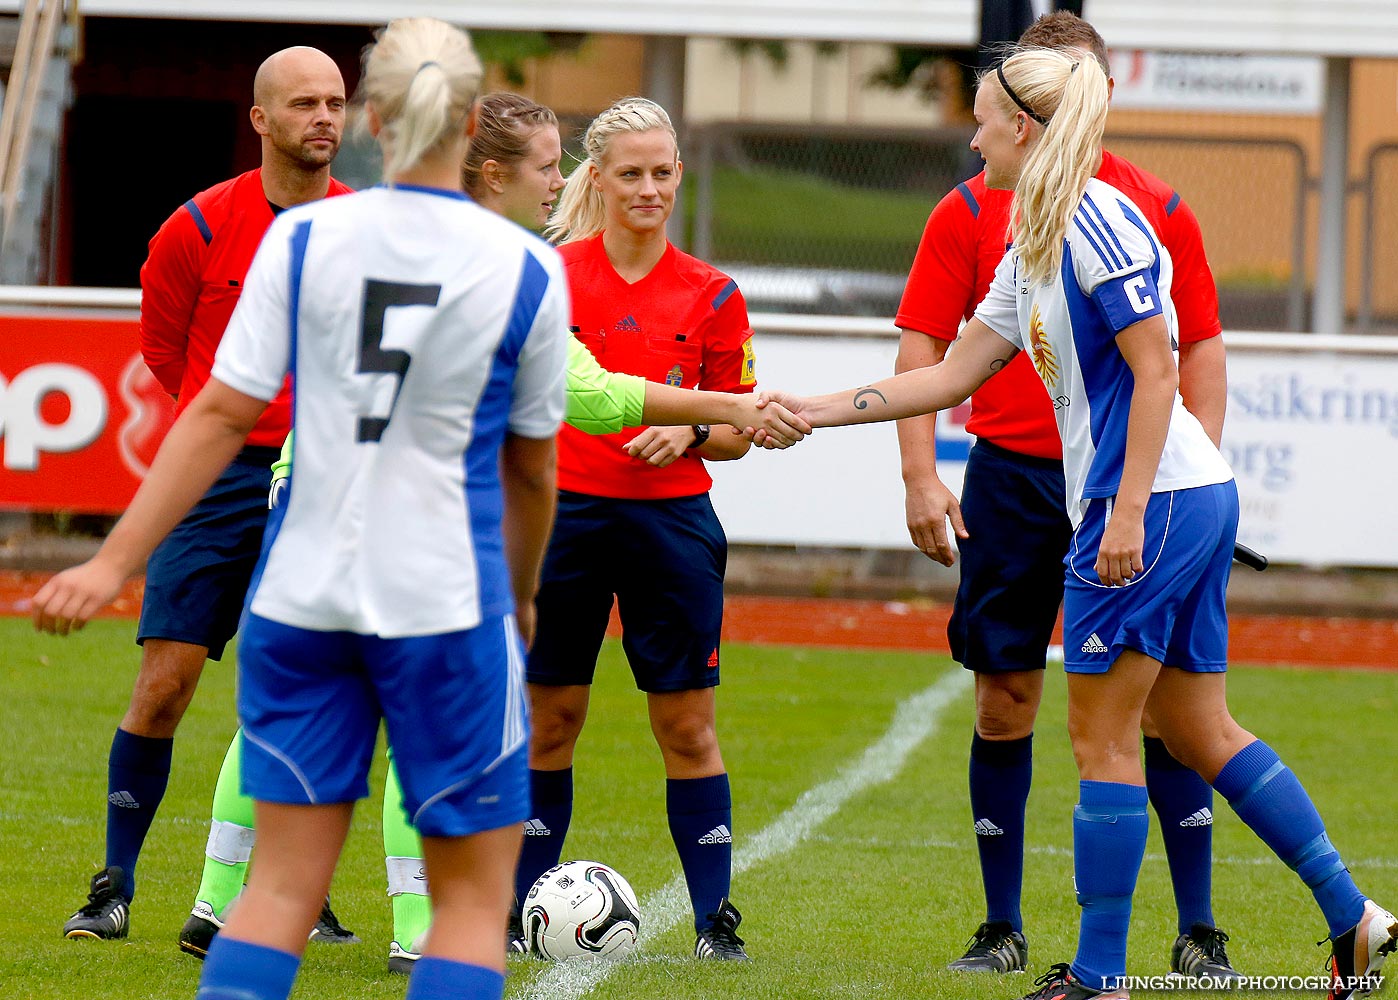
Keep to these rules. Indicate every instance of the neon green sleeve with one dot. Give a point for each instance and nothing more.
(281, 468)
(599, 401)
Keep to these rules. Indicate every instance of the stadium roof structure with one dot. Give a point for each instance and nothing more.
(1357, 28)
(1299, 27)
(925, 22)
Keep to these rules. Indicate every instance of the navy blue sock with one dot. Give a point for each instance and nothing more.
(701, 824)
(1000, 774)
(552, 795)
(1109, 841)
(443, 979)
(1184, 802)
(138, 770)
(237, 970)
(1269, 799)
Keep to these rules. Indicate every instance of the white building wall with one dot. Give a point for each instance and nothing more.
(815, 86)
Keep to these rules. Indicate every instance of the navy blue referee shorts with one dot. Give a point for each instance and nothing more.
(1012, 565)
(197, 578)
(663, 562)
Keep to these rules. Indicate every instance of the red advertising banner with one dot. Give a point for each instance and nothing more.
(81, 416)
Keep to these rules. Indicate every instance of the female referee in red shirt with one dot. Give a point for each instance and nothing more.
(634, 520)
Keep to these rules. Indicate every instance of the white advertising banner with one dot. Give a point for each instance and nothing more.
(842, 486)
(1233, 84)
(1311, 436)
(1313, 440)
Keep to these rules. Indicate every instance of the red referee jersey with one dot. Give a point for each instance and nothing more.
(685, 324)
(965, 238)
(190, 283)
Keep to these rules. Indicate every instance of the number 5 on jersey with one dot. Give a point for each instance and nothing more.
(379, 298)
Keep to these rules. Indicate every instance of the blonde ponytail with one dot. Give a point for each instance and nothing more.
(1071, 97)
(420, 76)
(580, 213)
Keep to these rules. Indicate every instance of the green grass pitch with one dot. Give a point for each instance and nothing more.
(869, 901)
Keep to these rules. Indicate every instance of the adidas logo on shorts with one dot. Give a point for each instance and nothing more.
(536, 828)
(718, 835)
(1202, 817)
(1094, 644)
(986, 828)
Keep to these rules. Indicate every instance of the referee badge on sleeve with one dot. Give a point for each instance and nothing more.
(749, 376)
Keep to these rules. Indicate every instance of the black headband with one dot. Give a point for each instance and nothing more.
(1000, 73)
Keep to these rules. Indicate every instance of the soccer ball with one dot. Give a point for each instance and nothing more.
(581, 909)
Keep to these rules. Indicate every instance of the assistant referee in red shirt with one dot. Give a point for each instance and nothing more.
(634, 519)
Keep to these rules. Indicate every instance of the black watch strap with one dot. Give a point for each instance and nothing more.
(701, 434)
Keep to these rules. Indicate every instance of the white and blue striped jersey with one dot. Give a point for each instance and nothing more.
(419, 329)
(1115, 273)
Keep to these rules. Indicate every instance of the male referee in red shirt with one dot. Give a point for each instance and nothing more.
(197, 579)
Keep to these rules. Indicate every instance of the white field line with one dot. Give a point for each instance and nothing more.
(914, 721)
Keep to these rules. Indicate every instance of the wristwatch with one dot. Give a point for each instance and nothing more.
(701, 434)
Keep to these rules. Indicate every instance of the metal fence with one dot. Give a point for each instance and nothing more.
(813, 219)
(1250, 196)
(1378, 295)
(827, 219)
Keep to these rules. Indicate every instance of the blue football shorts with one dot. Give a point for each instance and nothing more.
(1012, 565)
(197, 578)
(1174, 610)
(454, 704)
(662, 561)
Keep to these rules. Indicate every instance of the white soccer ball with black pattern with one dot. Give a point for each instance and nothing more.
(581, 909)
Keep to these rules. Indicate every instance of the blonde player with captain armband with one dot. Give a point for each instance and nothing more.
(1085, 292)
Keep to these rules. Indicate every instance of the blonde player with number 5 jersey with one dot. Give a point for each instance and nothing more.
(427, 339)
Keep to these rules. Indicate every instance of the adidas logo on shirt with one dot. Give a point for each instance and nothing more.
(536, 828)
(718, 835)
(123, 800)
(986, 828)
(1094, 644)
(629, 323)
(1202, 817)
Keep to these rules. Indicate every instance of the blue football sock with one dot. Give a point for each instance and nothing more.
(1184, 802)
(1269, 799)
(237, 970)
(1109, 841)
(701, 824)
(552, 795)
(138, 769)
(1000, 774)
(443, 979)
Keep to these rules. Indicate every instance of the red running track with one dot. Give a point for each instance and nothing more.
(1302, 640)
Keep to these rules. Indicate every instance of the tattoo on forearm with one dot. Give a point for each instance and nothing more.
(860, 403)
(997, 364)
